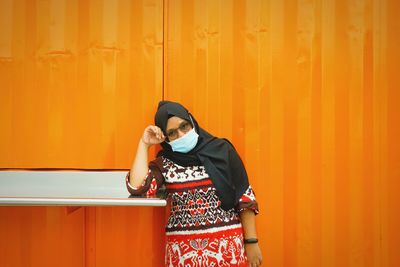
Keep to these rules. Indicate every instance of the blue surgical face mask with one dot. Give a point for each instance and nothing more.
(185, 143)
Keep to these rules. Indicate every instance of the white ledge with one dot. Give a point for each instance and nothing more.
(37, 201)
(68, 188)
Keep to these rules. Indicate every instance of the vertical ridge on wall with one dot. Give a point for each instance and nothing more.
(341, 54)
(307, 25)
(315, 95)
(290, 132)
(327, 135)
(7, 18)
(379, 132)
(238, 82)
(367, 161)
(393, 130)
(275, 183)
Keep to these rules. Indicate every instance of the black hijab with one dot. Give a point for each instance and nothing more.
(217, 155)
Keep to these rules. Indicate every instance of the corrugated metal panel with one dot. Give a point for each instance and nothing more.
(79, 81)
(308, 91)
(73, 69)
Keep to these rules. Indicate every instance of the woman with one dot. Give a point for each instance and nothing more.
(212, 204)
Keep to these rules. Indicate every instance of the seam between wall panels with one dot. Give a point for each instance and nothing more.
(164, 33)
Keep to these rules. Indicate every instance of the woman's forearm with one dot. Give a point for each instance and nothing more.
(140, 165)
(253, 251)
(249, 223)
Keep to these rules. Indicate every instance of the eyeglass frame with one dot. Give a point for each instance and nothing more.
(180, 128)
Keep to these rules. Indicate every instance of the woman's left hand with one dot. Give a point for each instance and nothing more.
(253, 253)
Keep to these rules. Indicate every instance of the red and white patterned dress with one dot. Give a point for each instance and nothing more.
(199, 232)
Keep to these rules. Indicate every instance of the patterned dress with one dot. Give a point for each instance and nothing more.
(198, 232)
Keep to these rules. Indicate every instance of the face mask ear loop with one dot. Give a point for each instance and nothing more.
(190, 117)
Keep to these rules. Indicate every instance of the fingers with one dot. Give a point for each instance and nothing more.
(155, 134)
(255, 264)
(158, 133)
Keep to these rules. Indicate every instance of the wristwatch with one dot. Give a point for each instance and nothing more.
(250, 240)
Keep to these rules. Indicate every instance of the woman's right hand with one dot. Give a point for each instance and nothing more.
(152, 135)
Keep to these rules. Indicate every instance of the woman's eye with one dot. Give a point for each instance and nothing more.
(185, 126)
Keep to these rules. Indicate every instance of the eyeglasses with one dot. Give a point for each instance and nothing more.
(184, 127)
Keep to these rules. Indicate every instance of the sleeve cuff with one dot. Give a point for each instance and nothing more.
(248, 201)
(251, 205)
(136, 191)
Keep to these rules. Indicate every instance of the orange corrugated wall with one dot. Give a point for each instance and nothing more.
(308, 91)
